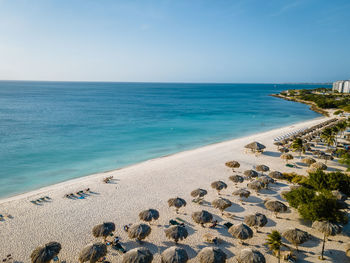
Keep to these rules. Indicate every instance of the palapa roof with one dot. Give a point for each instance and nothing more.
(308, 160)
(250, 173)
(46, 253)
(275, 206)
(218, 185)
(199, 192)
(327, 228)
(241, 231)
(174, 255)
(176, 202)
(255, 146)
(176, 233)
(221, 203)
(138, 255)
(211, 255)
(319, 166)
(236, 178)
(249, 255)
(287, 156)
(276, 175)
(296, 236)
(233, 164)
(266, 180)
(256, 185)
(242, 193)
(93, 253)
(257, 220)
(262, 168)
(139, 231)
(149, 215)
(202, 217)
(103, 230)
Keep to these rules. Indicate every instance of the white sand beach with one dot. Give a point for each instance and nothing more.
(149, 185)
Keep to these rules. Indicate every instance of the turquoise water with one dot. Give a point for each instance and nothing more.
(55, 131)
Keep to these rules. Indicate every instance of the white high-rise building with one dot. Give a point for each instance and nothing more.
(342, 86)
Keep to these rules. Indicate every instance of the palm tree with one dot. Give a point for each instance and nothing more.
(335, 130)
(328, 136)
(297, 146)
(274, 242)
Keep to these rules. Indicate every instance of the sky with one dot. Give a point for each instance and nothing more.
(236, 41)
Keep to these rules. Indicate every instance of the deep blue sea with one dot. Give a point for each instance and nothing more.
(55, 131)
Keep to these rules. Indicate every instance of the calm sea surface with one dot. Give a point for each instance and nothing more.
(55, 131)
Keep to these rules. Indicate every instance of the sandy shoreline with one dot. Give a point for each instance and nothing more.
(149, 185)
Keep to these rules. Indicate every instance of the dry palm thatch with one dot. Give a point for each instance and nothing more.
(242, 193)
(149, 215)
(296, 236)
(347, 249)
(275, 206)
(266, 180)
(249, 255)
(176, 233)
(308, 160)
(241, 231)
(103, 230)
(202, 217)
(236, 178)
(319, 166)
(250, 173)
(93, 253)
(174, 255)
(139, 231)
(286, 157)
(276, 175)
(311, 170)
(233, 164)
(211, 255)
(339, 195)
(221, 204)
(262, 168)
(328, 229)
(256, 220)
(199, 193)
(283, 150)
(255, 146)
(218, 186)
(138, 255)
(45, 253)
(256, 185)
(177, 203)
(327, 157)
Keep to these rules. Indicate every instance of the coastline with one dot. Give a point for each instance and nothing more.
(105, 173)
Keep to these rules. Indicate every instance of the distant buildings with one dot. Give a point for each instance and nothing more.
(342, 86)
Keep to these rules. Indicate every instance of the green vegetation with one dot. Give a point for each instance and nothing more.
(297, 146)
(338, 112)
(314, 199)
(274, 242)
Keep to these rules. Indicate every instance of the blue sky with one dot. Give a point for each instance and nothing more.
(175, 41)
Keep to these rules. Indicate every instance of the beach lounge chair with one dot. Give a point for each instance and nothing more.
(290, 165)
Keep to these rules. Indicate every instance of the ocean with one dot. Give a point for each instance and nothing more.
(54, 131)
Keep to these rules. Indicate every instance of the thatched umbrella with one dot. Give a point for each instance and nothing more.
(328, 229)
(266, 180)
(308, 160)
(339, 195)
(242, 193)
(255, 146)
(241, 231)
(319, 166)
(138, 255)
(256, 220)
(211, 255)
(286, 157)
(46, 253)
(176, 233)
(256, 185)
(283, 150)
(221, 204)
(275, 206)
(202, 217)
(93, 253)
(312, 170)
(177, 203)
(139, 231)
(276, 175)
(103, 230)
(174, 255)
(199, 193)
(218, 186)
(149, 215)
(250, 173)
(249, 255)
(262, 168)
(347, 249)
(296, 236)
(327, 157)
(236, 178)
(233, 164)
